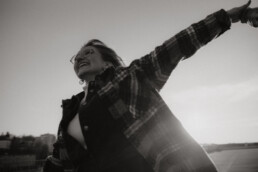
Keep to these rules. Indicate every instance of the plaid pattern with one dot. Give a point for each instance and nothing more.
(131, 96)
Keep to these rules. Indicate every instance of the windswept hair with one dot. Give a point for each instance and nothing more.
(107, 53)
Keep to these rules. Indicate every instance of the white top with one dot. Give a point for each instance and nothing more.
(74, 127)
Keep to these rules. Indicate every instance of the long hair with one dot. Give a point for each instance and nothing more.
(107, 53)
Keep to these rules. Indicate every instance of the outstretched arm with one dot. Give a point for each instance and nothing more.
(158, 65)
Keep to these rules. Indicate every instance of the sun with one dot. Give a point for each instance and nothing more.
(199, 126)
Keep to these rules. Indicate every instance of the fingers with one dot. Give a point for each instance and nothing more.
(253, 17)
(254, 22)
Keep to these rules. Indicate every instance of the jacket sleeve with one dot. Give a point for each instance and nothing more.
(158, 65)
(54, 162)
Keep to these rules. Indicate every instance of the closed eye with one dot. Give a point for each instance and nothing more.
(89, 51)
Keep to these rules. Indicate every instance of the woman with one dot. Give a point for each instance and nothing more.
(120, 122)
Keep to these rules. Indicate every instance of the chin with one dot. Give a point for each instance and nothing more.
(82, 74)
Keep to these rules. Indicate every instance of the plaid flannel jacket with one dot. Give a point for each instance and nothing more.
(131, 96)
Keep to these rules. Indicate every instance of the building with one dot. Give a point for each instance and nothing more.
(5, 144)
(48, 139)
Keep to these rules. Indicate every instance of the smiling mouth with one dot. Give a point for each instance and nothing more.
(84, 64)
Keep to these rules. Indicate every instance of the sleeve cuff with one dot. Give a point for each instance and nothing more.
(244, 15)
(55, 161)
(223, 19)
(53, 165)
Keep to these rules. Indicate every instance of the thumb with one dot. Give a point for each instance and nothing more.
(246, 5)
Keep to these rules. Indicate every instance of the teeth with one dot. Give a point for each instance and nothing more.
(83, 64)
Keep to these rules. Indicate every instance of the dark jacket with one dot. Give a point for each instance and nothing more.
(130, 95)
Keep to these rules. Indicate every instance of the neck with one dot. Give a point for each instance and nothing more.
(89, 78)
(85, 88)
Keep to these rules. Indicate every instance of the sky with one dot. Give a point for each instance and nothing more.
(214, 93)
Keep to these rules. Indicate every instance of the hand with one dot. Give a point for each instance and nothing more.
(235, 14)
(250, 16)
(51, 167)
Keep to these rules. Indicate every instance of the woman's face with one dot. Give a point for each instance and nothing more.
(88, 62)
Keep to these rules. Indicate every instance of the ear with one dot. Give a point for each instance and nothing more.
(108, 64)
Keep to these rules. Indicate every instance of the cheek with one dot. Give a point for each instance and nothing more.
(75, 67)
(97, 63)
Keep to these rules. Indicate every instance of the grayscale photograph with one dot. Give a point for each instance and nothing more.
(129, 86)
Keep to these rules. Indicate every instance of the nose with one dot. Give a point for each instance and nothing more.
(79, 58)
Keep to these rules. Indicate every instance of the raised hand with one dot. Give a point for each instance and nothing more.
(236, 13)
(244, 14)
(250, 16)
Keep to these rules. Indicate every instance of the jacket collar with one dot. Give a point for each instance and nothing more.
(100, 80)
(106, 75)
